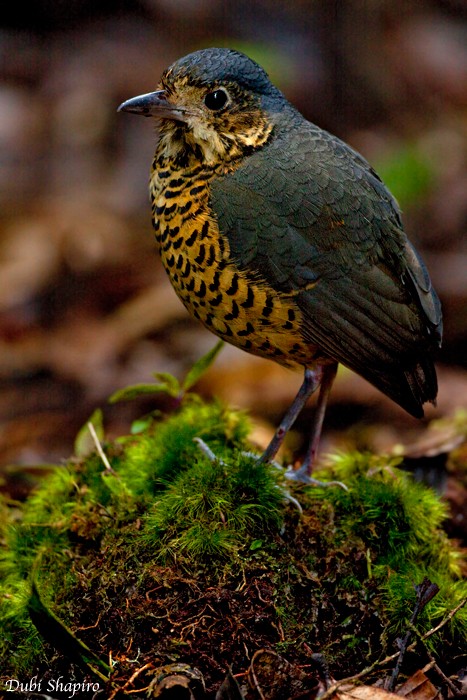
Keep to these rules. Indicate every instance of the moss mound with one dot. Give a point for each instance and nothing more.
(168, 557)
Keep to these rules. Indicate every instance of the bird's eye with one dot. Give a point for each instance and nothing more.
(216, 100)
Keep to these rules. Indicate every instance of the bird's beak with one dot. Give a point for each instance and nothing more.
(154, 104)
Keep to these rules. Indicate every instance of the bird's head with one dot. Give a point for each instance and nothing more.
(215, 105)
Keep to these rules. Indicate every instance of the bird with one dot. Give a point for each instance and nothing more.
(282, 239)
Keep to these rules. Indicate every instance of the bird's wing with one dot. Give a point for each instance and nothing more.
(309, 216)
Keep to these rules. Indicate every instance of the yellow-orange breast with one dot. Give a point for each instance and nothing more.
(243, 311)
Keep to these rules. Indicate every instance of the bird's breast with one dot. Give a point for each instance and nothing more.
(231, 302)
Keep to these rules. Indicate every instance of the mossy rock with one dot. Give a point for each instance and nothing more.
(168, 557)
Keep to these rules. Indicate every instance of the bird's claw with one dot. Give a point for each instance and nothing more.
(302, 476)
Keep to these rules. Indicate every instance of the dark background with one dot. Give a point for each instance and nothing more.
(85, 307)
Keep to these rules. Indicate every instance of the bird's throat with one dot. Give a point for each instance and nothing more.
(202, 142)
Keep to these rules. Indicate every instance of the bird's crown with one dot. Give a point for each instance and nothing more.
(216, 66)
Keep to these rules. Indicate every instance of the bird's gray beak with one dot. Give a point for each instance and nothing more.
(154, 104)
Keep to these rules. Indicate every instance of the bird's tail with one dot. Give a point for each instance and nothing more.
(410, 387)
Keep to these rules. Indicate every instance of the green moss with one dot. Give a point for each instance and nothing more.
(157, 456)
(398, 593)
(188, 558)
(394, 516)
(84, 506)
(213, 510)
(399, 523)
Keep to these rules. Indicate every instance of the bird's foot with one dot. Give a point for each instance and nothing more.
(206, 450)
(302, 475)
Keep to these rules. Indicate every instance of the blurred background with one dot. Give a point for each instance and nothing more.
(85, 307)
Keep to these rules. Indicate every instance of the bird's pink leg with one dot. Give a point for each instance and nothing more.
(328, 376)
(311, 382)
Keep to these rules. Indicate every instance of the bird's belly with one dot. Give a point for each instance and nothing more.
(273, 335)
(243, 311)
(252, 318)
